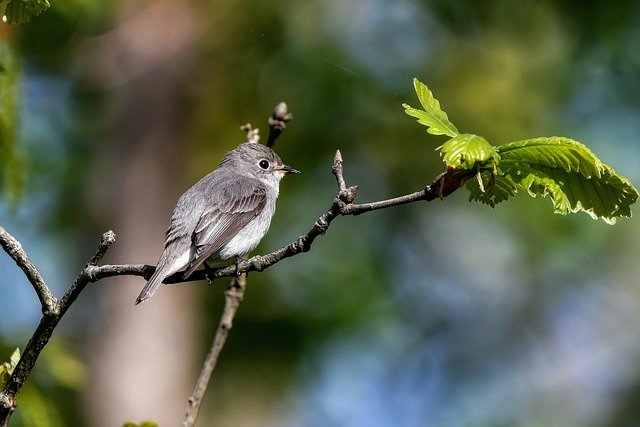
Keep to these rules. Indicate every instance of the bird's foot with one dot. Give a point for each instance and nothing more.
(239, 259)
(208, 273)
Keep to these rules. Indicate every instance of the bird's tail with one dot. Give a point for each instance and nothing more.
(152, 285)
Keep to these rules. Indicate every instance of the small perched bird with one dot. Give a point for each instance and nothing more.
(223, 215)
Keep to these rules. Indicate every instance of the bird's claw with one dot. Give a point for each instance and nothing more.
(238, 261)
(208, 273)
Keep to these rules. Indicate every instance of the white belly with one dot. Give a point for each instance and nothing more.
(249, 237)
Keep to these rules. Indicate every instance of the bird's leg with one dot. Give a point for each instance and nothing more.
(207, 273)
(239, 259)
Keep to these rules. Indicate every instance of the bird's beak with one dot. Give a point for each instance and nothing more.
(287, 169)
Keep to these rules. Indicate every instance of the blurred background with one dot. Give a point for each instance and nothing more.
(439, 314)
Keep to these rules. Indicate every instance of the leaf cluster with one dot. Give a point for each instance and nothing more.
(564, 169)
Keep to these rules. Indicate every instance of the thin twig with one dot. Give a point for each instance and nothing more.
(337, 171)
(232, 300)
(85, 277)
(14, 249)
(278, 122)
(443, 185)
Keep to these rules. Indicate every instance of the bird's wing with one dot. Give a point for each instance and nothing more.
(238, 202)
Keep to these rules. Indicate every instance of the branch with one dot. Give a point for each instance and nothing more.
(86, 277)
(278, 122)
(442, 186)
(52, 310)
(232, 300)
(14, 249)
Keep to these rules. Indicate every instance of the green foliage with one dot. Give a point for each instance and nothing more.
(11, 168)
(465, 150)
(432, 115)
(497, 189)
(561, 168)
(567, 171)
(20, 11)
(7, 368)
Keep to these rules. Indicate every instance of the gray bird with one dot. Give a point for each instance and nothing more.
(224, 215)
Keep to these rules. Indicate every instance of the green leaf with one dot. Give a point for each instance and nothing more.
(607, 197)
(556, 152)
(7, 368)
(561, 168)
(431, 116)
(570, 174)
(20, 11)
(465, 150)
(497, 189)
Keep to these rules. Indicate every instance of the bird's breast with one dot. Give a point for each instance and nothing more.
(248, 238)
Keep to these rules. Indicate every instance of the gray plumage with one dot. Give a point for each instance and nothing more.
(224, 215)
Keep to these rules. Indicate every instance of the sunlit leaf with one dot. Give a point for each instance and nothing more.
(608, 196)
(431, 116)
(556, 152)
(570, 174)
(463, 151)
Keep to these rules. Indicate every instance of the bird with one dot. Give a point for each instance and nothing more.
(222, 216)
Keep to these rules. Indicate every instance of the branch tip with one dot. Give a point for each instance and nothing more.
(253, 135)
(337, 171)
(281, 112)
(108, 238)
(14, 249)
(337, 159)
(278, 122)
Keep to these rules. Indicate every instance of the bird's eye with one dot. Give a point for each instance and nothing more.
(264, 164)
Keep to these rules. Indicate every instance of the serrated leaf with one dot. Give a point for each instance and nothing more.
(20, 11)
(465, 150)
(497, 189)
(432, 115)
(570, 174)
(556, 152)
